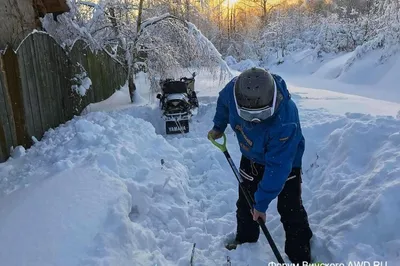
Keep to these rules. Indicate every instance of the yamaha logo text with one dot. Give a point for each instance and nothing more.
(177, 128)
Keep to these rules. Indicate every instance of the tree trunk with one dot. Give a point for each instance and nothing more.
(113, 20)
(264, 11)
(139, 18)
(187, 10)
(232, 20)
(229, 21)
(131, 83)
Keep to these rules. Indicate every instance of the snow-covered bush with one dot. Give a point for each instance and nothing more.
(82, 83)
(328, 27)
(298, 31)
(386, 34)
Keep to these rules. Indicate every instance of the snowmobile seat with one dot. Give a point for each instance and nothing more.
(174, 87)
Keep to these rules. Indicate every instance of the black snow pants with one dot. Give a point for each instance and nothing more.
(290, 207)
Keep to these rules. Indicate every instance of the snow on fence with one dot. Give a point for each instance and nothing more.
(43, 85)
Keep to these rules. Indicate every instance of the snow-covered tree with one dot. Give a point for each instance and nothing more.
(259, 30)
(163, 43)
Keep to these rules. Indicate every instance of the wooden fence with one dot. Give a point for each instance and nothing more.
(36, 85)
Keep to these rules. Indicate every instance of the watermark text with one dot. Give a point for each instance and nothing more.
(350, 263)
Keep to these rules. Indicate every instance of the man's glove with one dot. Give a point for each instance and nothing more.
(214, 134)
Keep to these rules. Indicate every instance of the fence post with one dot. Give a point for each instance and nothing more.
(14, 88)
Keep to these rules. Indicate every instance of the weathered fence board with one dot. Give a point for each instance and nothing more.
(37, 87)
(43, 82)
(26, 62)
(3, 121)
(7, 130)
(61, 83)
(17, 102)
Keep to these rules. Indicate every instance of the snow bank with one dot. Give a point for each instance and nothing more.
(366, 76)
(104, 189)
(53, 221)
(352, 175)
(333, 69)
(243, 65)
(121, 99)
(303, 62)
(71, 198)
(369, 69)
(340, 103)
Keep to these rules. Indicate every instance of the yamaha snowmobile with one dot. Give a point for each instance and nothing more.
(178, 101)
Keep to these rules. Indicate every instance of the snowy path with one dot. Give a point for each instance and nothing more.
(95, 191)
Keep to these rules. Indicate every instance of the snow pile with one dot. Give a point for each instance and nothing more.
(105, 197)
(352, 175)
(339, 103)
(333, 68)
(348, 68)
(84, 182)
(230, 60)
(371, 68)
(17, 152)
(301, 63)
(365, 76)
(119, 100)
(243, 65)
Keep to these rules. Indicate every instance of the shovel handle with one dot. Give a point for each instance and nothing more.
(220, 146)
(248, 197)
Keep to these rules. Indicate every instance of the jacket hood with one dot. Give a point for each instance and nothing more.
(283, 93)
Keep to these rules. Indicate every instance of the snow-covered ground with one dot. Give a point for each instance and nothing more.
(108, 188)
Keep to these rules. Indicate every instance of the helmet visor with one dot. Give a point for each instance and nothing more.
(259, 114)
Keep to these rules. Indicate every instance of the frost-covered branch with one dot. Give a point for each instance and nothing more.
(154, 20)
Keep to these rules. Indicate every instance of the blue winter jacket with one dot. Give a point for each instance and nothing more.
(277, 143)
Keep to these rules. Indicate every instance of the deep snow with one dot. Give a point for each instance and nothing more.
(107, 188)
(371, 75)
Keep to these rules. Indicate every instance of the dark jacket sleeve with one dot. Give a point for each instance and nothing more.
(281, 150)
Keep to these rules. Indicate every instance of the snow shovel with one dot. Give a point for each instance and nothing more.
(249, 198)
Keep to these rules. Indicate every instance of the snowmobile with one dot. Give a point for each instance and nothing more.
(178, 101)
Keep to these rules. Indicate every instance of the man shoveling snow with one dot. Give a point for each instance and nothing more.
(258, 107)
